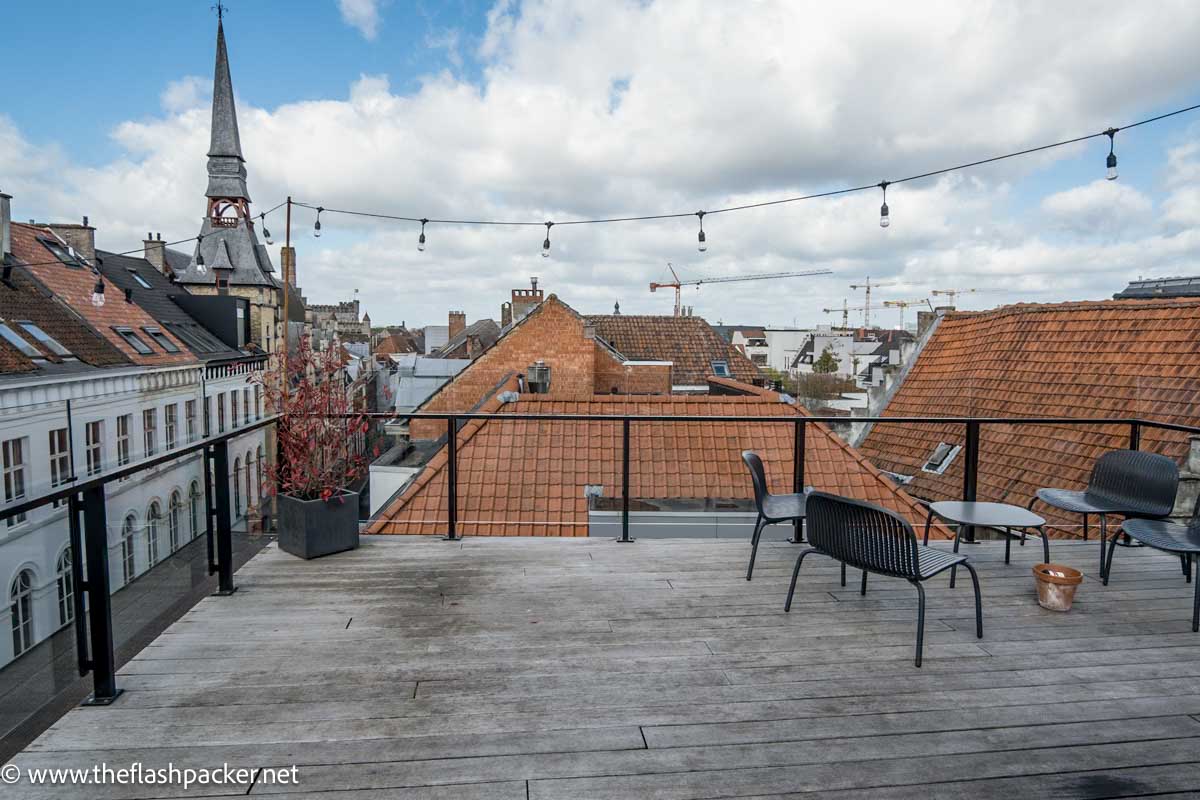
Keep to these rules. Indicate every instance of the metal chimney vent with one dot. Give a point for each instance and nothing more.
(538, 378)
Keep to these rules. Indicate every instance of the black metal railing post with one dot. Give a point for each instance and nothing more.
(75, 536)
(625, 537)
(1135, 436)
(451, 479)
(220, 462)
(971, 472)
(209, 512)
(798, 447)
(99, 600)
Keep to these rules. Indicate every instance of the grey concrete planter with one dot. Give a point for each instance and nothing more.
(315, 528)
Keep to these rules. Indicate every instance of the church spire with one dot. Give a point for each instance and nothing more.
(226, 166)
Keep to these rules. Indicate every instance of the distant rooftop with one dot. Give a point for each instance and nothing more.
(1158, 288)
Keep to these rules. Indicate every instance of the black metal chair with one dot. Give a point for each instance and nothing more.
(874, 539)
(772, 508)
(1131, 483)
(1170, 537)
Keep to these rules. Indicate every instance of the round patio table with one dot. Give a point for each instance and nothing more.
(1001, 516)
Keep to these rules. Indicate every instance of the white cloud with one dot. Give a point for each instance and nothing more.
(186, 93)
(361, 14)
(713, 106)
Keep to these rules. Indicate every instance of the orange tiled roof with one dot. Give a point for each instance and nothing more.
(73, 285)
(690, 342)
(1127, 358)
(527, 478)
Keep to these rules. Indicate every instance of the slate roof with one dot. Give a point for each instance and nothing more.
(485, 330)
(523, 478)
(73, 286)
(237, 246)
(226, 167)
(689, 342)
(1160, 288)
(120, 270)
(1121, 358)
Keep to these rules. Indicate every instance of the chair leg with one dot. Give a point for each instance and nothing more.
(759, 524)
(1045, 544)
(863, 592)
(1196, 607)
(1085, 529)
(978, 601)
(1107, 563)
(843, 573)
(1007, 544)
(954, 569)
(1103, 544)
(1185, 561)
(795, 574)
(928, 522)
(920, 619)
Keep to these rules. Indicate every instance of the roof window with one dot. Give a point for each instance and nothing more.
(46, 340)
(17, 341)
(140, 280)
(62, 252)
(720, 369)
(133, 340)
(157, 335)
(943, 454)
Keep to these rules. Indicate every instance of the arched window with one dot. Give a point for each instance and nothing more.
(66, 588)
(174, 518)
(194, 510)
(237, 487)
(249, 481)
(128, 567)
(153, 516)
(20, 594)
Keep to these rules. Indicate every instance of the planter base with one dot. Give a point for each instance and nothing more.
(1056, 585)
(315, 528)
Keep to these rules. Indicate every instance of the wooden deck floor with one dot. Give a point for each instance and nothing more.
(526, 668)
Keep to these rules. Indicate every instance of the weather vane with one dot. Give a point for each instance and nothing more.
(220, 9)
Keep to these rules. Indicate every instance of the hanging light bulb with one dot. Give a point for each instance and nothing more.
(1112, 157)
(98, 293)
(546, 243)
(266, 233)
(317, 224)
(201, 270)
(884, 221)
(703, 243)
(421, 238)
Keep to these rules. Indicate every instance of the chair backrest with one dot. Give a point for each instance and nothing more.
(863, 535)
(759, 476)
(1138, 482)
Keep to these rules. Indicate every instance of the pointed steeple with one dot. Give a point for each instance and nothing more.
(226, 166)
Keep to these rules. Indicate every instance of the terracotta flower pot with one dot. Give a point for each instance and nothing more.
(1056, 585)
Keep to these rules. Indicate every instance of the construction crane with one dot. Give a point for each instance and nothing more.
(953, 293)
(904, 304)
(677, 283)
(866, 306)
(845, 309)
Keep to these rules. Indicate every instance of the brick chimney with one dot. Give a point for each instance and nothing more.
(526, 300)
(80, 237)
(287, 262)
(458, 323)
(154, 250)
(5, 225)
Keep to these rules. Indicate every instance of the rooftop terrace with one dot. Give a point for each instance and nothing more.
(583, 668)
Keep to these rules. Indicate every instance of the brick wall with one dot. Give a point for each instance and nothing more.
(616, 377)
(553, 333)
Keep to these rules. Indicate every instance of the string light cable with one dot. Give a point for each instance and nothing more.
(700, 215)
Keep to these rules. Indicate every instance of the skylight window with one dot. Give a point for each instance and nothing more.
(943, 454)
(133, 340)
(47, 341)
(157, 335)
(140, 280)
(720, 369)
(16, 340)
(63, 253)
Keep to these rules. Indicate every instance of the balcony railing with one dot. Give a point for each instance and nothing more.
(89, 523)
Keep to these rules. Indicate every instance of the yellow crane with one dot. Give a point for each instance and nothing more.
(904, 304)
(953, 293)
(677, 283)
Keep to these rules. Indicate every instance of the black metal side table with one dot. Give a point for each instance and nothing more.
(1001, 516)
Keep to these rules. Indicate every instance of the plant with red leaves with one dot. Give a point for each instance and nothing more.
(321, 430)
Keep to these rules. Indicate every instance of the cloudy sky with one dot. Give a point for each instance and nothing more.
(561, 110)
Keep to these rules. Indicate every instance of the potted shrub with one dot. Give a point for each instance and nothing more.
(321, 434)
